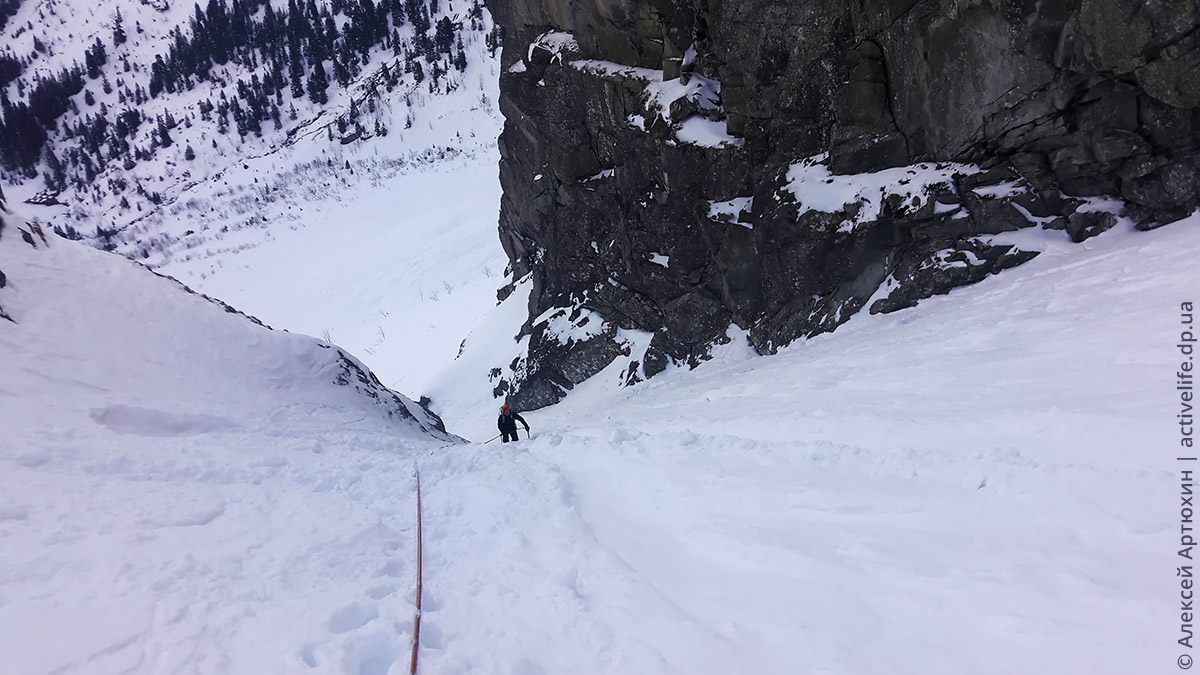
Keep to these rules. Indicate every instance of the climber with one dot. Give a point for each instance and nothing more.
(507, 423)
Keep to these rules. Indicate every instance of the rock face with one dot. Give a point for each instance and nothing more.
(678, 166)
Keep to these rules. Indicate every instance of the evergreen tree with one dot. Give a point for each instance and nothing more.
(295, 37)
(443, 39)
(118, 29)
(239, 26)
(418, 15)
(56, 173)
(164, 134)
(10, 69)
(318, 82)
(460, 59)
(158, 76)
(95, 57)
(219, 31)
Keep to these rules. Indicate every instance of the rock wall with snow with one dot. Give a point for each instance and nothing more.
(678, 167)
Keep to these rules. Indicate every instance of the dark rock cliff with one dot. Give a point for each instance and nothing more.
(678, 166)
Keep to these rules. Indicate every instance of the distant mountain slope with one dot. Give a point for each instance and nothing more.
(93, 339)
(118, 110)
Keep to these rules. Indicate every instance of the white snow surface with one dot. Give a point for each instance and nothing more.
(556, 43)
(182, 490)
(982, 483)
(661, 93)
(816, 188)
(731, 210)
(702, 131)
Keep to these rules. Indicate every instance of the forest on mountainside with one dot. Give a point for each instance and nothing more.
(273, 56)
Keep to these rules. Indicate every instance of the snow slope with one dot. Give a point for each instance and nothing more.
(182, 490)
(985, 483)
(397, 272)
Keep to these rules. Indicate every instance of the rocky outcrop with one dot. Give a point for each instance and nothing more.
(678, 166)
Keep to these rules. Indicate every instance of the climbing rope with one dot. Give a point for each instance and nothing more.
(416, 637)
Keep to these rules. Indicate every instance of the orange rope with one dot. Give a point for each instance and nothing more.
(416, 639)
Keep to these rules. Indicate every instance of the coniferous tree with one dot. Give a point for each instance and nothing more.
(296, 33)
(56, 173)
(158, 76)
(164, 134)
(10, 69)
(460, 58)
(239, 27)
(443, 39)
(201, 45)
(95, 57)
(327, 32)
(318, 82)
(217, 16)
(418, 15)
(118, 29)
(8, 8)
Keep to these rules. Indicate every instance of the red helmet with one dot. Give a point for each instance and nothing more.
(504, 408)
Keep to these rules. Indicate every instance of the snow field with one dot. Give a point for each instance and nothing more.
(398, 278)
(229, 553)
(184, 491)
(982, 483)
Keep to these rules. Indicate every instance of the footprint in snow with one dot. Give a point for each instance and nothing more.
(308, 657)
(374, 655)
(380, 592)
(353, 616)
(395, 568)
